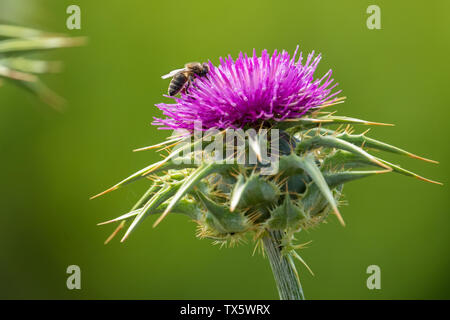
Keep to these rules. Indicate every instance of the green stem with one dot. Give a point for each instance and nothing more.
(284, 272)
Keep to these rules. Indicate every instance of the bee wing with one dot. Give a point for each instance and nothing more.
(172, 73)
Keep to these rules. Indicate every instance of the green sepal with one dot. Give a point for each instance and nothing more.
(363, 141)
(221, 219)
(254, 191)
(309, 165)
(407, 173)
(346, 160)
(328, 141)
(151, 169)
(338, 178)
(185, 206)
(195, 177)
(293, 164)
(297, 183)
(155, 201)
(314, 202)
(290, 165)
(341, 160)
(308, 123)
(286, 216)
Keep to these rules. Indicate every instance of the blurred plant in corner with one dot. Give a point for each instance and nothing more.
(18, 45)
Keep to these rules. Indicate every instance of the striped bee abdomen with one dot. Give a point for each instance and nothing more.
(177, 83)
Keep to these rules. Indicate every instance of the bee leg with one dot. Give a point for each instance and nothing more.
(188, 84)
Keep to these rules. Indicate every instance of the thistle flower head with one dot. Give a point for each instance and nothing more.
(249, 90)
(316, 154)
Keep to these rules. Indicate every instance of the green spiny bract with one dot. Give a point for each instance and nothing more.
(229, 200)
(16, 65)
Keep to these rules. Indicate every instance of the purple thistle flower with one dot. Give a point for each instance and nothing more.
(248, 91)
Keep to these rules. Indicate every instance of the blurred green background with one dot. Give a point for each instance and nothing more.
(53, 162)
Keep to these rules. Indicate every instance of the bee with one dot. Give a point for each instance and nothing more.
(182, 78)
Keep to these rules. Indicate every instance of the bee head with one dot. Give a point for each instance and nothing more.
(197, 68)
(205, 68)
